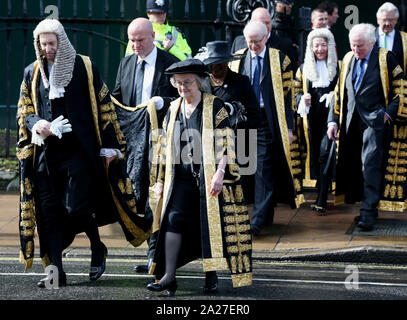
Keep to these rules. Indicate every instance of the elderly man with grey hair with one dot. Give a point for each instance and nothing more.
(274, 40)
(365, 112)
(388, 37)
(270, 72)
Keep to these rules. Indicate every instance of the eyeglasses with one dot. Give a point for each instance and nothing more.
(186, 84)
(255, 41)
(388, 20)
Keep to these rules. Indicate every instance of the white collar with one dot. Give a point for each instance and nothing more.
(261, 54)
(150, 59)
(391, 34)
(54, 92)
(323, 75)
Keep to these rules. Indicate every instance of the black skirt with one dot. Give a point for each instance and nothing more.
(184, 205)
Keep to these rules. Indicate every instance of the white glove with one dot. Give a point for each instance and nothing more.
(60, 126)
(36, 138)
(328, 98)
(159, 102)
(109, 153)
(303, 109)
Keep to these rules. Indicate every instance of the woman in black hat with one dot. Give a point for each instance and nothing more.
(233, 87)
(228, 85)
(203, 214)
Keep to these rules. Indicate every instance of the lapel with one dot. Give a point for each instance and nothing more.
(350, 93)
(266, 65)
(248, 65)
(398, 48)
(131, 75)
(349, 82)
(373, 61)
(158, 70)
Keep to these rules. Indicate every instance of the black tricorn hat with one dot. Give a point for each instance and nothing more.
(218, 52)
(188, 66)
(157, 6)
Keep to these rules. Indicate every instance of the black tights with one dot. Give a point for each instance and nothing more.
(173, 243)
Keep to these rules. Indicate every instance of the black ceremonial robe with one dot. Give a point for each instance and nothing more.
(226, 242)
(141, 127)
(386, 77)
(278, 86)
(93, 119)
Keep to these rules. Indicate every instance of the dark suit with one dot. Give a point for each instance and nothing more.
(363, 133)
(161, 87)
(283, 44)
(272, 169)
(161, 82)
(397, 47)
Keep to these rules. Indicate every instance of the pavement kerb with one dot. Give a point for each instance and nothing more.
(360, 254)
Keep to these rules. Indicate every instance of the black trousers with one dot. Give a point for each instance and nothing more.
(63, 188)
(63, 191)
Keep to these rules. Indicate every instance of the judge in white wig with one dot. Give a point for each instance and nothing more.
(315, 82)
(68, 138)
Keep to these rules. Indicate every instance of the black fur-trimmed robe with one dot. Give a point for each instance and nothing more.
(93, 119)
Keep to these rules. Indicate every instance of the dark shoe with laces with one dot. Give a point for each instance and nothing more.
(98, 263)
(211, 283)
(170, 287)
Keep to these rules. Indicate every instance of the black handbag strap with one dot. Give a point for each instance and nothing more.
(194, 173)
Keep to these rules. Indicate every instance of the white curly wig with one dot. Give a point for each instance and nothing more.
(65, 55)
(310, 68)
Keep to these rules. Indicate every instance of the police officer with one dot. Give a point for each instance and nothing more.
(168, 38)
(282, 20)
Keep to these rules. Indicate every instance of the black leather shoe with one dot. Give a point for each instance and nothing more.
(211, 284)
(255, 231)
(366, 223)
(171, 287)
(321, 211)
(98, 263)
(358, 218)
(61, 282)
(141, 268)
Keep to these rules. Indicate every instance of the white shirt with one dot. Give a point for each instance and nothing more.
(389, 39)
(253, 67)
(149, 69)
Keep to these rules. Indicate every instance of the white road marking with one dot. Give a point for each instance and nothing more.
(298, 281)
